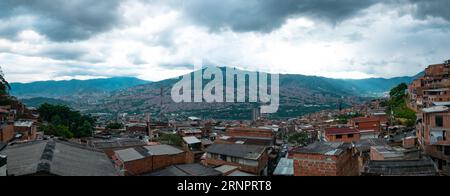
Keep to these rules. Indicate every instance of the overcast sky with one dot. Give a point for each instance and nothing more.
(159, 39)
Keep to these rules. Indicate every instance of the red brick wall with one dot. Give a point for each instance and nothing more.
(373, 125)
(322, 165)
(345, 138)
(409, 142)
(153, 163)
(7, 134)
(250, 132)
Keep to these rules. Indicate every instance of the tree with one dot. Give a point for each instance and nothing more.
(57, 115)
(112, 126)
(4, 85)
(397, 105)
(301, 139)
(85, 130)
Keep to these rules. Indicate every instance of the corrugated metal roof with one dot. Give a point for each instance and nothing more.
(251, 152)
(442, 103)
(324, 148)
(57, 158)
(285, 167)
(129, 154)
(162, 150)
(435, 109)
(226, 168)
(23, 123)
(191, 140)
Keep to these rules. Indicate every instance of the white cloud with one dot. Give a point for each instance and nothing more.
(156, 41)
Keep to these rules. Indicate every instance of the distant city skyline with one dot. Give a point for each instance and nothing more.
(155, 39)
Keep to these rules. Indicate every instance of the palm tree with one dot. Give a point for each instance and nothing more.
(4, 85)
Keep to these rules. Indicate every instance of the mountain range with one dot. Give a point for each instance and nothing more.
(71, 88)
(299, 94)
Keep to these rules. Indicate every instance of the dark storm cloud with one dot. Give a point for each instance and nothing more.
(62, 20)
(267, 15)
(433, 8)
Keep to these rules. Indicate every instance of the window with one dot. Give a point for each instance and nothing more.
(350, 136)
(439, 148)
(234, 159)
(223, 157)
(444, 135)
(338, 136)
(447, 151)
(439, 121)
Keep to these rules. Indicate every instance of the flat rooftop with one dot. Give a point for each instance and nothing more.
(324, 148)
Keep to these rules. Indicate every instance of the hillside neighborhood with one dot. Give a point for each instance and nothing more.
(401, 133)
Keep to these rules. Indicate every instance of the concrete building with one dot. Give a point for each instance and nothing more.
(433, 135)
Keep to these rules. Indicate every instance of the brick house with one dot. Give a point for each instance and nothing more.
(248, 158)
(325, 159)
(348, 135)
(433, 135)
(6, 132)
(369, 127)
(250, 132)
(143, 160)
(26, 128)
(111, 145)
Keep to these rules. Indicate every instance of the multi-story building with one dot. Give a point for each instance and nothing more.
(433, 135)
(342, 135)
(434, 86)
(369, 127)
(430, 97)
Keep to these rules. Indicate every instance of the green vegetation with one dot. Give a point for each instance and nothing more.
(112, 126)
(397, 106)
(4, 85)
(171, 139)
(299, 139)
(61, 121)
